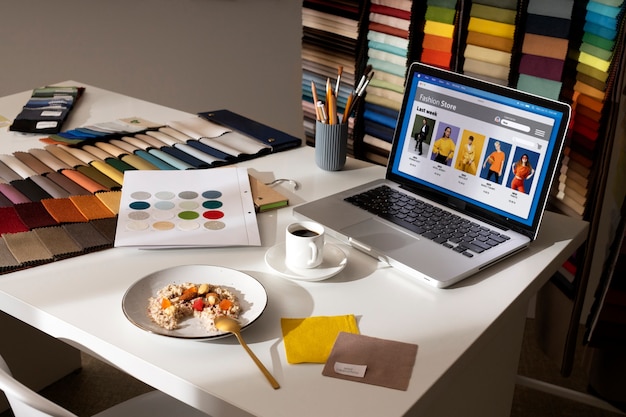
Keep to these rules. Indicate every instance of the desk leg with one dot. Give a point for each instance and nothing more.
(482, 382)
(35, 358)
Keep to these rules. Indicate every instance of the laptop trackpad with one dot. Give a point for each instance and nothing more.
(379, 235)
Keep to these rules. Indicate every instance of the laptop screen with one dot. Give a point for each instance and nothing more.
(478, 147)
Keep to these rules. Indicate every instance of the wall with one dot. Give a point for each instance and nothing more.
(192, 55)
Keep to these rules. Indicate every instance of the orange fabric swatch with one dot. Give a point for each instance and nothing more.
(437, 43)
(91, 207)
(581, 109)
(547, 46)
(490, 41)
(83, 180)
(436, 58)
(63, 210)
(586, 89)
(590, 102)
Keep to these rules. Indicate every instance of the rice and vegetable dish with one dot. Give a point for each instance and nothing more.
(175, 302)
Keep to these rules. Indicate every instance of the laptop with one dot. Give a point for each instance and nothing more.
(467, 180)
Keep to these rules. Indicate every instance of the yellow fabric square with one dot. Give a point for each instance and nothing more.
(311, 339)
(111, 199)
(439, 29)
(490, 27)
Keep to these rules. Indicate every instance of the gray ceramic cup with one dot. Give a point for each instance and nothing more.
(331, 145)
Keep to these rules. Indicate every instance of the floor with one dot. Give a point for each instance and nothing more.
(83, 392)
(535, 364)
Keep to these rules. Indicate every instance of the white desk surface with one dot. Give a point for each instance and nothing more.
(79, 299)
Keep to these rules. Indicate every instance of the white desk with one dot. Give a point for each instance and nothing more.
(469, 336)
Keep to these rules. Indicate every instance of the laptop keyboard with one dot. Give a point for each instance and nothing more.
(441, 226)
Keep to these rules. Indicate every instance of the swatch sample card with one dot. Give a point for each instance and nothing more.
(193, 208)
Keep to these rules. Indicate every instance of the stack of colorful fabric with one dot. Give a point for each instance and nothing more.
(329, 42)
(490, 39)
(545, 47)
(592, 78)
(387, 51)
(439, 33)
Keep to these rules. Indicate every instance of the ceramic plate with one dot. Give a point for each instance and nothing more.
(333, 263)
(250, 293)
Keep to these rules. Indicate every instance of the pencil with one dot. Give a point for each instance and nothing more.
(328, 93)
(314, 92)
(332, 110)
(348, 109)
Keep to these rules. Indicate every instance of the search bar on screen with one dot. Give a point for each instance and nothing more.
(515, 125)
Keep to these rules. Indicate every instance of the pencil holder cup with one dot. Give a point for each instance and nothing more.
(331, 145)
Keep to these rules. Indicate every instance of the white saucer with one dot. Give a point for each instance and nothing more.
(333, 263)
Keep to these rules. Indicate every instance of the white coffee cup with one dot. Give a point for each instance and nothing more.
(304, 245)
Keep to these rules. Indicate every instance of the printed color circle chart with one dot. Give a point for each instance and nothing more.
(187, 208)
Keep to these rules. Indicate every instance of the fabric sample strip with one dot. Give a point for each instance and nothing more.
(87, 236)
(50, 187)
(489, 27)
(48, 159)
(437, 58)
(496, 14)
(27, 248)
(538, 66)
(589, 91)
(83, 181)
(386, 10)
(109, 171)
(504, 4)
(440, 14)
(34, 215)
(67, 184)
(97, 176)
(91, 207)
(439, 29)
(106, 227)
(539, 86)
(13, 194)
(63, 210)
(7, 260)
(554, 8)
(4, 201)
(7, 174)
(597, 84)
(547, 46)
(10, 221)
(111, 199)
(388, 30)
(488, 55)
(33, 163)
(485, 68)
(448, 4)
(489, 41)
(548, 26)
(30, 189)
(58, 241)
(437, 43)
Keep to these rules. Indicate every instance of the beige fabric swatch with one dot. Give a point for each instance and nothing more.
(389, 363)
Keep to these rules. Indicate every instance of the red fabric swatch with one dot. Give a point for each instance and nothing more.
(436, 58)
(34, 215)
(10, 222)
